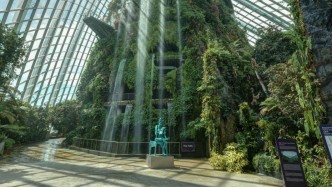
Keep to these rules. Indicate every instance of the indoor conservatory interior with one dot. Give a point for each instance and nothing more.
(166, 93)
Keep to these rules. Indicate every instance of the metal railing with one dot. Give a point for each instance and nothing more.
(123, 148)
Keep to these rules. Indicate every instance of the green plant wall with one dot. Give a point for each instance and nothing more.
(202, 22)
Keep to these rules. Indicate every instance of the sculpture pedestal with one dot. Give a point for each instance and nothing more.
(159, 161)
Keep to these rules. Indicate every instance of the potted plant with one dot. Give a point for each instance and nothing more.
(3, 137)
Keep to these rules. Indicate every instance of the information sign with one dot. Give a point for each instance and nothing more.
(326, 130)
(187, 147)
(290, 161)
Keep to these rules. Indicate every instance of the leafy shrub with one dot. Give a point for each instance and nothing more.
(233, 159)
(267, 165)
(2, 137)
(317, 176)
(218, 161)
(9, 143)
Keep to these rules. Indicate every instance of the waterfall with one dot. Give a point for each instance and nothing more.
(161, 56)
(109, 130)
(140, 70)
(123, 148)
(170, 122)
(178, 16)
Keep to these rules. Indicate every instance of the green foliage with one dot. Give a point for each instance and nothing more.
(210, 89)
(267, 165)
(233, 159)
(273, 47)
(65, 116)
(308, 93)
(2, 137)
(317, 176)
(94, 84)
(316, 166)
(282, 90)
(11, 52)
(218, 161)
(270, 132)
(36, 124)
(9, 143)
(170, 81)
(22, 123)
(194, 129)
(202, 22)
(248, 134)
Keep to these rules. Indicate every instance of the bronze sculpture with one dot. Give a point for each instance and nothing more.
(160, 138)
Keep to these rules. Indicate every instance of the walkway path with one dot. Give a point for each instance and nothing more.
(41, 165)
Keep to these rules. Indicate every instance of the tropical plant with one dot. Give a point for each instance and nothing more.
(308, 94)
(210, 89)
(11, 52)
(233, 159)
(267, 164)
(65, 116)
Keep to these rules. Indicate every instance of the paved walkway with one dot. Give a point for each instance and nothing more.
(46, 165)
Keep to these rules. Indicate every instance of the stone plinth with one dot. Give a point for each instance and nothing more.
(159, 161)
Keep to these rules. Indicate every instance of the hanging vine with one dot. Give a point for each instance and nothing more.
(210, 88)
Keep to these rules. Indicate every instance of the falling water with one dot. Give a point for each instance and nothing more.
(129, 6)
(140, 70)
(109, 130)
(178, 14)
(125, 129)
(170, 118)
(115, 55)
(116, 87)
(151, 93)
(161, 55)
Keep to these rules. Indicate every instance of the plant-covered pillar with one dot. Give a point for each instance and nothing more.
(211, 96)
(308, 95)
(316, 22)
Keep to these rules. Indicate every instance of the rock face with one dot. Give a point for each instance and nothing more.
(318, 21)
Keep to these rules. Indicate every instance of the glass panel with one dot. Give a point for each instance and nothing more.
(3, 4)
(27, 14)
(21, 87)
(32, 55)
(51, 5)
(40, 34)
(23, 26)
(42, 4)
(44, 23)
(34, 24)
(36, 44)
(38, 13)
(48, 13)
(12, 17)
(30, 36)
(33, 3)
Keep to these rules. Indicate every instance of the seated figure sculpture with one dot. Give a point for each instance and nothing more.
(160, 138)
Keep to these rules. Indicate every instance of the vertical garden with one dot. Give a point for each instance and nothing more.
(188, 62)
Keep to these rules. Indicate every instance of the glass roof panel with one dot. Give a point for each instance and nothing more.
(53, 33)
(255, 14)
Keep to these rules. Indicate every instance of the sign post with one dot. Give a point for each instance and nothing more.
(187, 147)
(326, 130)
(290, 161)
